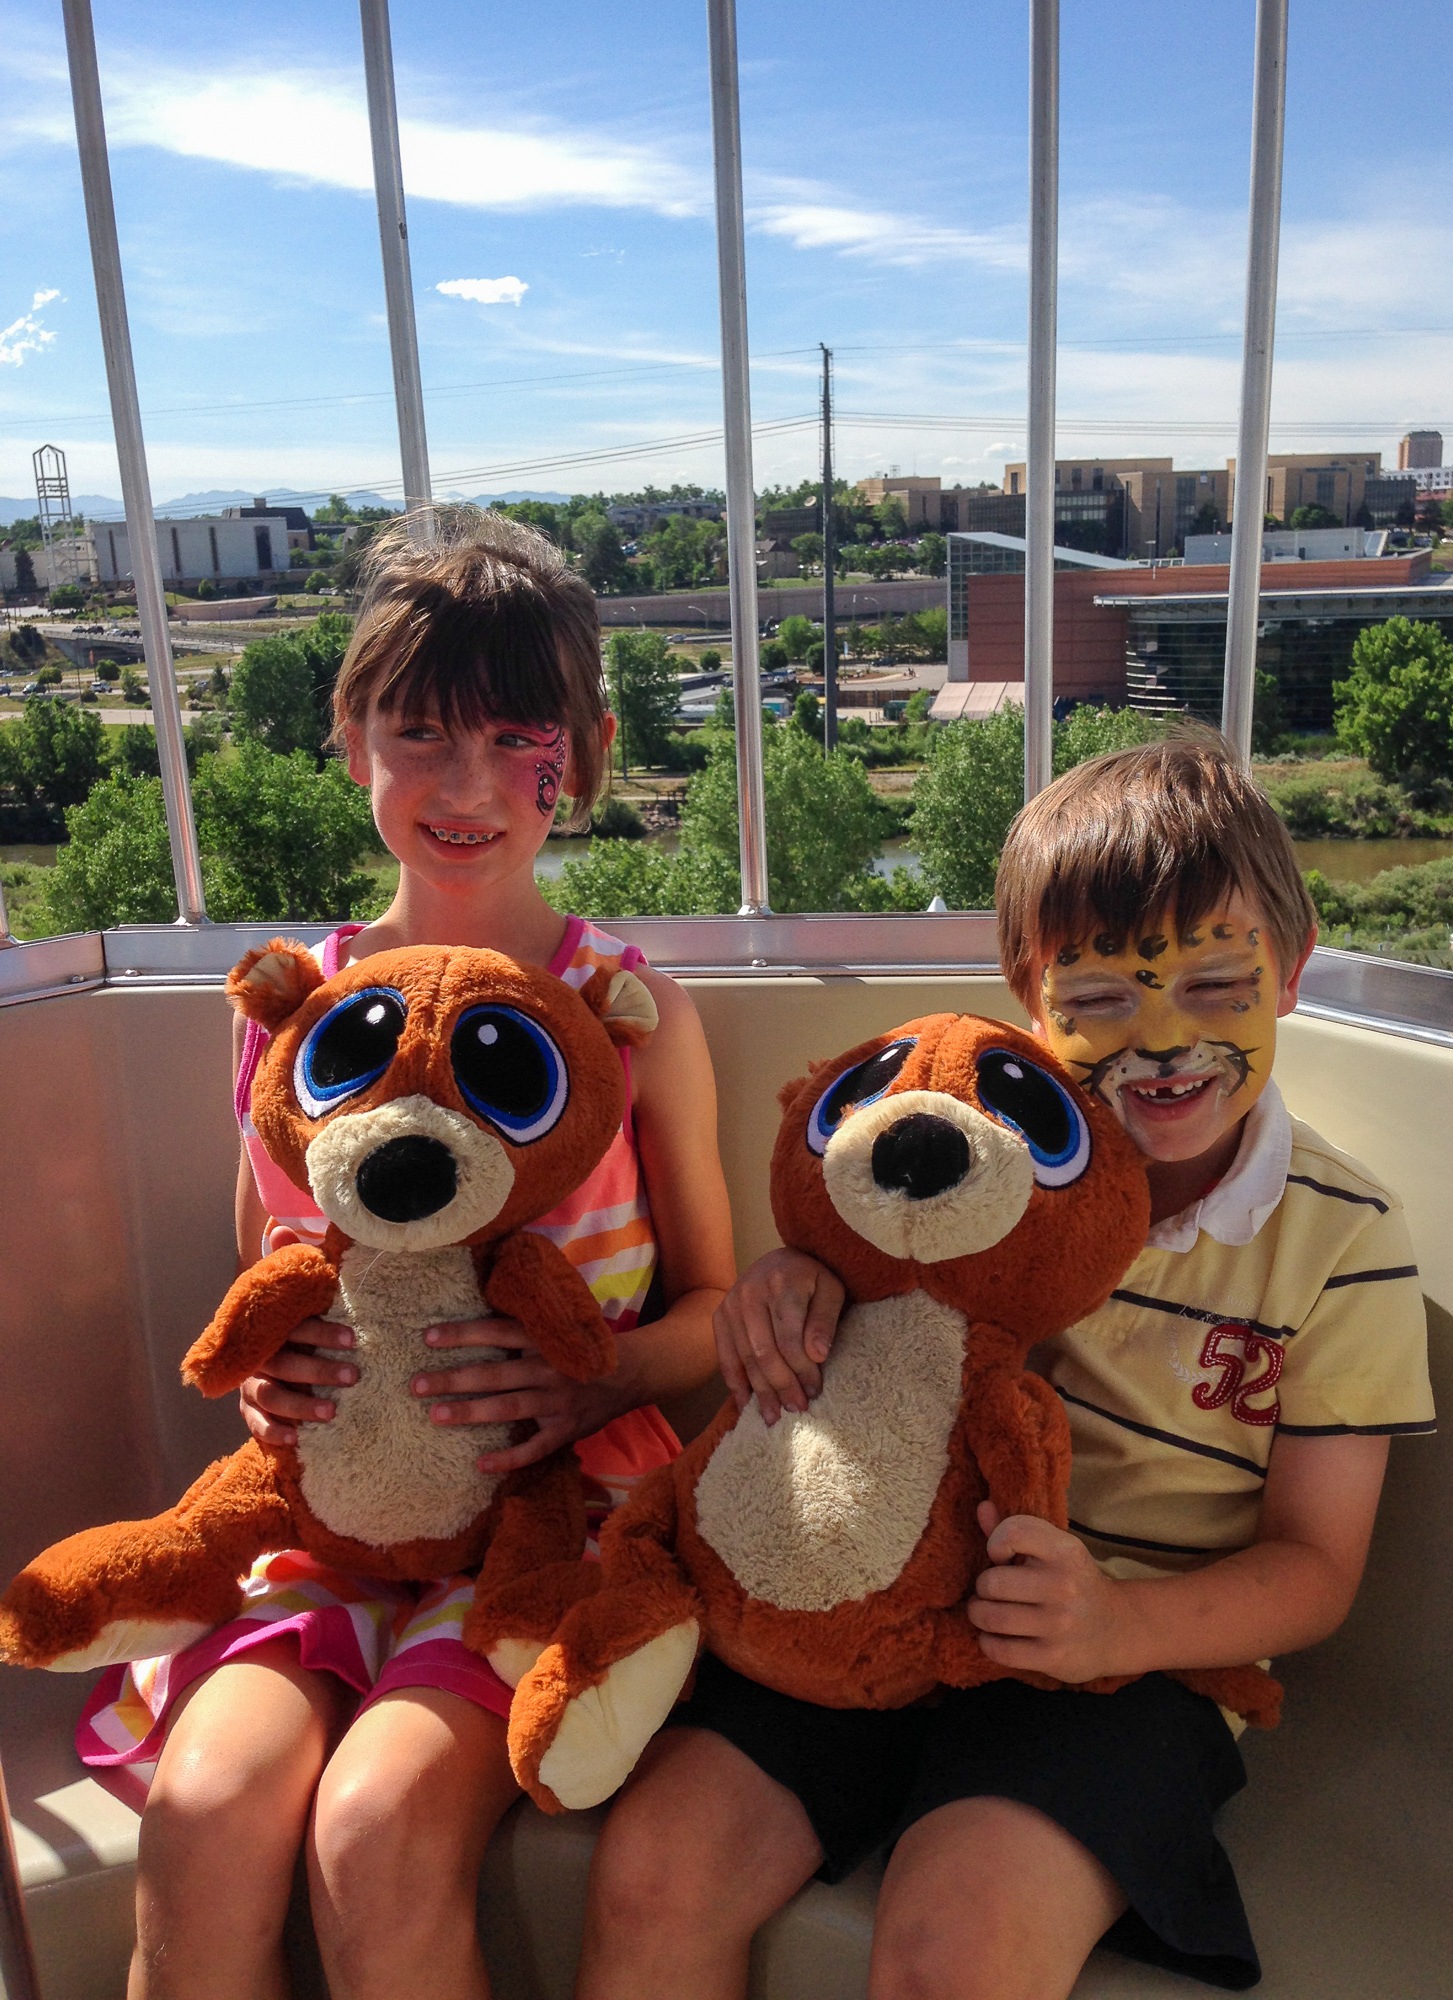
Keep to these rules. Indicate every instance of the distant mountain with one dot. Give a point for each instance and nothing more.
(102, 507)
(84, 503)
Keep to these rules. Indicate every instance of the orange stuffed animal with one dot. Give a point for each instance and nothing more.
(436, 1101)
(974, 1201)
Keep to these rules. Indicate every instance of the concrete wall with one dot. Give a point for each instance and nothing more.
(682, 610)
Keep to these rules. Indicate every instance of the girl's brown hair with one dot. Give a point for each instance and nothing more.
(1163, 831)
(484, 623)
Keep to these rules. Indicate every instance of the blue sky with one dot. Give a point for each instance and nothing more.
(567, 149)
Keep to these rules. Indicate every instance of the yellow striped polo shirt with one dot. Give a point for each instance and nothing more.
(1308, 1321)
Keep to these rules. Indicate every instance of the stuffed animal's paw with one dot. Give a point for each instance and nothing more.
(574, 1741)
(35, 1636)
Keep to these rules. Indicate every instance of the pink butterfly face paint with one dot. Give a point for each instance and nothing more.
(550, 769)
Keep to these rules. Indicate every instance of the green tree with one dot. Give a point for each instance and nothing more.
(642, 676)
(280, 840)
(133, 687)
(932, 554)
(1268, 714)
(973, 785)
(272, 697)
(285, 839)
(807, 714)
(108, 671)
(796, 633)
(774, 657)
(67, 597)
(54, 753)
(602, 561)
(808, 550)
(890, 519)
(710, 661)
(806, 794)
(25, 583)
(1396, 705)
(27, 645)
(116, 866)
(48, 677)
(1313, 517)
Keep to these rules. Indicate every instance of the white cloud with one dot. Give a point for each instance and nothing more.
(298, 128)
(485, 291)
(26, 335)
(814, 221)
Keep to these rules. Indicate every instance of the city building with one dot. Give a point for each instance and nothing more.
(1175, 630)
(1336, 481)
(1295, 545)
(638, 517)
(1420, 450)
(1154, 636)
(928, 504)
(1436, 479)
(299, 527)
(1136, 508)
(212, 547)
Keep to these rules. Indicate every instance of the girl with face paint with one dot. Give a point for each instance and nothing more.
(1229, 1409)
(470, 700)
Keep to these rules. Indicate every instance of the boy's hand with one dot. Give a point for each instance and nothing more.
(774, 1329)
(1044, 1603)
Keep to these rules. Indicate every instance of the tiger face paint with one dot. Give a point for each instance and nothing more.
(1175, 1033)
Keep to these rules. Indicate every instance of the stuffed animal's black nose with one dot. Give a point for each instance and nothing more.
(921, 1156)
(407, 1179)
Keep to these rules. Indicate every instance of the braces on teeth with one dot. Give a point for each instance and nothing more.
(460, 839)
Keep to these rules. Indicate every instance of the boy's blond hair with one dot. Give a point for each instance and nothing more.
(1163, 832)
(485, 623)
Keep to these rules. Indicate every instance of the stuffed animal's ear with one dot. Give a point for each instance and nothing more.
(790, 1089)
(270, 985)
(624, 1004)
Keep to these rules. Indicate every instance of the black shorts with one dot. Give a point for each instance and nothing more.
(1136, 1777)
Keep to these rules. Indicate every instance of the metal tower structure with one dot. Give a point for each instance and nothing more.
(59, 529)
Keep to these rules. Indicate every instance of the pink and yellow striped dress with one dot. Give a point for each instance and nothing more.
(379, 1636)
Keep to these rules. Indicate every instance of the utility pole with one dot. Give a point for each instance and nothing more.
(829, 620)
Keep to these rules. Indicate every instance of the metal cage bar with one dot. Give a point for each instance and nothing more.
(741, 501)
(131, 455)
(1268, 120)
(1039, 455)
(393, 236)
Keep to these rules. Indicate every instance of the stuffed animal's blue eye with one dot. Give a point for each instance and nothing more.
(349, 1049)
(510, 1070)
(859, 1085)
(1028, 1099)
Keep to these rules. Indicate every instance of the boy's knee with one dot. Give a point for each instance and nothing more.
(650, 1874)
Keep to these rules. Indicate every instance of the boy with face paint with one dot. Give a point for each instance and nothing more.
(1230, 1409)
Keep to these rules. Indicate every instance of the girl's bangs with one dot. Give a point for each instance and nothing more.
(469, 672)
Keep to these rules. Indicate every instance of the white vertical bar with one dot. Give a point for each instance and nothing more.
(131, 455)
(741, 502)
(1039, 468)
(7, 936)
(393, 236)
(1268, 119)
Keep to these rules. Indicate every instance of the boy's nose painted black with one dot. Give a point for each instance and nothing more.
(921, 1156)
(406, 1179)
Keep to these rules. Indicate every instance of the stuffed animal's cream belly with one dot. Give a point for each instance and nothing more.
(381, 1471)
(827, 1507)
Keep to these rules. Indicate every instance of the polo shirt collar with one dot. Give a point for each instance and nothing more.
(1237, 1206)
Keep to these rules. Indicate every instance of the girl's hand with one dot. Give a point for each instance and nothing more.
(774, 1329)
(275, 1400)
(1044, 1603)
(506, 1392)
